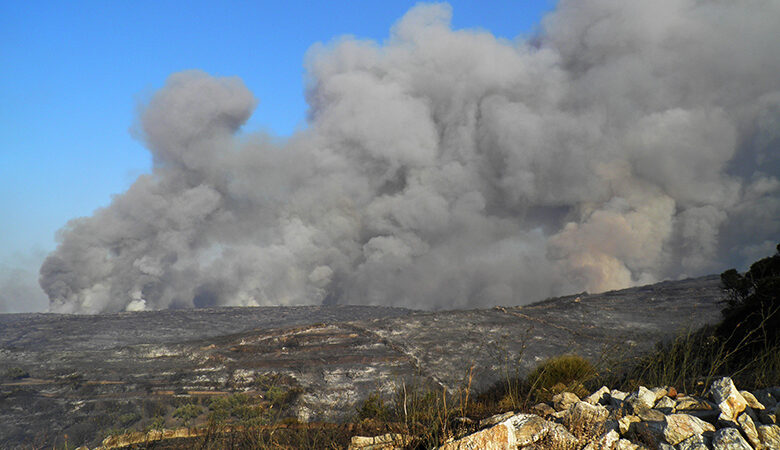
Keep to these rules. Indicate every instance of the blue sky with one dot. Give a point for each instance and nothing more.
(73, 74)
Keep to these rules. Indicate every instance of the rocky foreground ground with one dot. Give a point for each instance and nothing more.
(662, 418)
(90, 376)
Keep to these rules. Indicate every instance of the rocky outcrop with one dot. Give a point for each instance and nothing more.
(389, 441)
(661, 418)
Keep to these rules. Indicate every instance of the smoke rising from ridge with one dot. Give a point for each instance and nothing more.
(627, 143)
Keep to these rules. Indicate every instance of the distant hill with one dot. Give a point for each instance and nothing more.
(86, 376)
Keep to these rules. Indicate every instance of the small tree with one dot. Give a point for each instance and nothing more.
(751, 318)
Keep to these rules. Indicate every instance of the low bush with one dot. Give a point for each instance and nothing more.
(237, 409)
(187, 412)
(374, 407)
(562, 373)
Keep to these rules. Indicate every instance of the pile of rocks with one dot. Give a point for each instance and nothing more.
(648, 418)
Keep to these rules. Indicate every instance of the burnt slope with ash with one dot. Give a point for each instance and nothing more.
(90, 375)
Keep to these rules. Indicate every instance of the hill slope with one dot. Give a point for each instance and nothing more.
(92, 374)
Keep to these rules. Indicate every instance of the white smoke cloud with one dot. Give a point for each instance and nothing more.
(628, 142)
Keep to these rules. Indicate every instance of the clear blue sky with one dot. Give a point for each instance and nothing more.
(72, 73)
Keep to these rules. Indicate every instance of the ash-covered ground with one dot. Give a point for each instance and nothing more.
(93, 375)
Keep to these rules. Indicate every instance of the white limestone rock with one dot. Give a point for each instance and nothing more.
(606, 440)
(769, 436)
(687, 403)
(625, 444)
(530, 428)
(695, 442)
(679, 427)
(666, 405)
(564, 400)
(752, 401)
(583, 412)
(659, 393)
(492, 420)
(624, 423)
(730, 402)
(643, 397)
(599, 397)
(617, 397)
(749, 428)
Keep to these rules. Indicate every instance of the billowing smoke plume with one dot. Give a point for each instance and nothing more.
(628, 142)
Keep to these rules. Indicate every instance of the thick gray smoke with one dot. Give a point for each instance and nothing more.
(630, 141)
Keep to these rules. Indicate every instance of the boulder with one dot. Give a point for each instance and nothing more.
(685, 402)
(625, 444)
(643, 397)
(654, 431)
(752, 401)
(624, 423)
(659, 393)
(599, 397)
(616, 398)
(583, 412)
(649, 415)
(558, 436)
(695, 442)
(518, 430)
(730, 402)
(389, 441)
(492, 420)
(769, 435)
(605, 441)
(498, 437)
(749, 429)
(679, 427)
(528, 428)
(665, 405)
(729, 439)
(564, 400)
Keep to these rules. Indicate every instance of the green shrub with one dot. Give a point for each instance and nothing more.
(281, 397)
(374, 407)
(239, 409)
(187, 412)
(128, 419)
(157, 423)
(562, 373)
